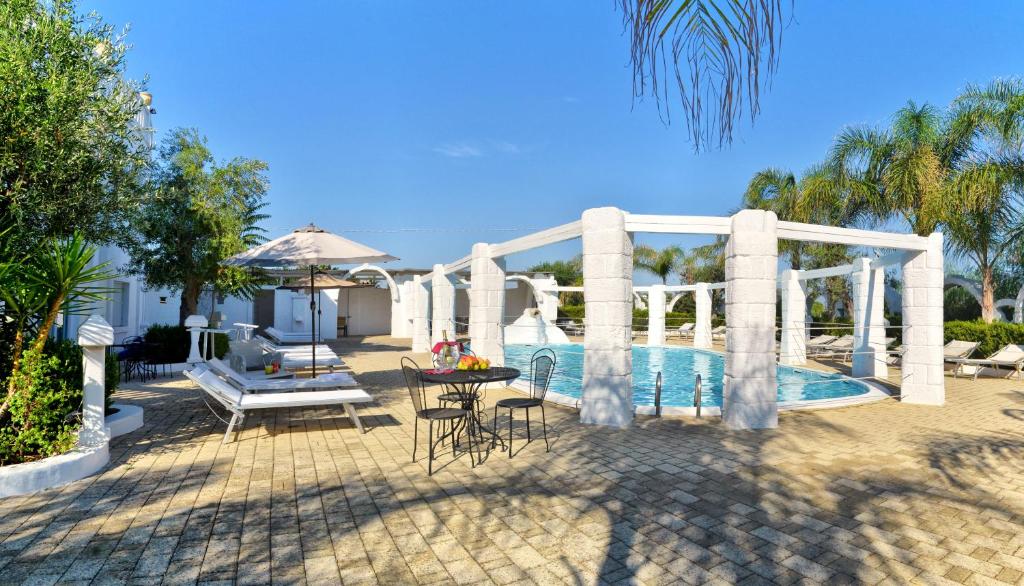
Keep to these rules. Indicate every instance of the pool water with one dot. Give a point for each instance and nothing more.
(679, 367)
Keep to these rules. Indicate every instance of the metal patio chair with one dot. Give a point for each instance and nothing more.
(542, 367)
(418, 394)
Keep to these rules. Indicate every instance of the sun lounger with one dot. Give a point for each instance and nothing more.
(841, 347)
(683, 331)
(822, 340)
(955, 349)
(718, 333)
(1009, 356)
(294, 357)
(282, 337)
(251, 385)
(571, 327)
(238, 403)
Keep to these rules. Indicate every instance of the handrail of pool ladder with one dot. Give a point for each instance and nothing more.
(657, 395)
(696, 394)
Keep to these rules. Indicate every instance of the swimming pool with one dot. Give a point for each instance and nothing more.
(679, 367)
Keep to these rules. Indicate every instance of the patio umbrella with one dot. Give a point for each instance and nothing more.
(311, 246)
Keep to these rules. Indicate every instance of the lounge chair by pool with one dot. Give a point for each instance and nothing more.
(1009, 356)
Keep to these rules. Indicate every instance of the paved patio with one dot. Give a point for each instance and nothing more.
(878, 493)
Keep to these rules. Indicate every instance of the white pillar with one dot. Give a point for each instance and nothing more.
(702, 311)
(545, 287)
(420, 304)
(793, 350)
(94, 336)
(607, 342)
(408, 306)
(656, 316)
(442, 306)
(399, 328)
(750, 397)
(195, 325)
(868, 320)
(487, 305)
(923, 376)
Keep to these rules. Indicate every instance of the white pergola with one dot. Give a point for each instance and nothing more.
(751, 286)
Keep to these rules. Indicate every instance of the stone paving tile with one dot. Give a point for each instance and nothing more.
(876, 494)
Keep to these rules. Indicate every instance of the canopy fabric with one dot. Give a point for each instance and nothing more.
(308, 246)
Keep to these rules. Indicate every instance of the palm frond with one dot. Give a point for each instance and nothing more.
(721, 53)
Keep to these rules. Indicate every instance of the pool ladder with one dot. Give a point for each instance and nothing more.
(657, 395)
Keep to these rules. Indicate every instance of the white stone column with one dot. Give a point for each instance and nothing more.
(607, 342)
(487, 304)
(94, 336)
(545, 287)
(750, 397)
(442, 306)
(793, 337)
(408, 306)
(420, 305)
(195, 325)
(702, 316)
(399, 323)
(923, 376)
(656, 315)
(868, 320)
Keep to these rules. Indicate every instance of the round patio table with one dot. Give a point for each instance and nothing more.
(465, 388)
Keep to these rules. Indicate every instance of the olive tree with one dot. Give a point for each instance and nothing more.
(201, 212)
(72, 159)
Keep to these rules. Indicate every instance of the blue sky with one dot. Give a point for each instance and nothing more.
(472, 116)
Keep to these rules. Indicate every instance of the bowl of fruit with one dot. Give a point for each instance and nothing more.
(467, 362)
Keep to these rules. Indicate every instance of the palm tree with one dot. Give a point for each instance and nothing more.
(984, 194)
(899, 172)
(730, 50)
(662, 262)
(817, 197)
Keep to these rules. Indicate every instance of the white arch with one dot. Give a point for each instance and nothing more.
(675, 299)
(638, 300)
(969, 286)
(368, 267)
(533, 288)
(1018, 307)
(975, 291)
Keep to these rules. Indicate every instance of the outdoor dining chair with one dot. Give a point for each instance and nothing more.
(135, 357)
(542, 368)
(445, 415)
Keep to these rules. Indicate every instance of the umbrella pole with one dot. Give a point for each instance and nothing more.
(312, 315)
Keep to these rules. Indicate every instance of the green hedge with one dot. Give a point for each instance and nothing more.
(992, 336)
(171, 343)
(673, 319)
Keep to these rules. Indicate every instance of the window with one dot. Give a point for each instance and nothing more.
(119, 305)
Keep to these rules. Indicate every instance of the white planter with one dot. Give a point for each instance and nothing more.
(30, 477)
(127, 419)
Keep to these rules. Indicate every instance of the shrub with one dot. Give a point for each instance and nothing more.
(171, 343)
(991, 336)
(41, 421)
(673, 319)
(45, 417)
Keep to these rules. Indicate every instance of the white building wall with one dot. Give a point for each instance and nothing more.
(367, 309)
(291, 312)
